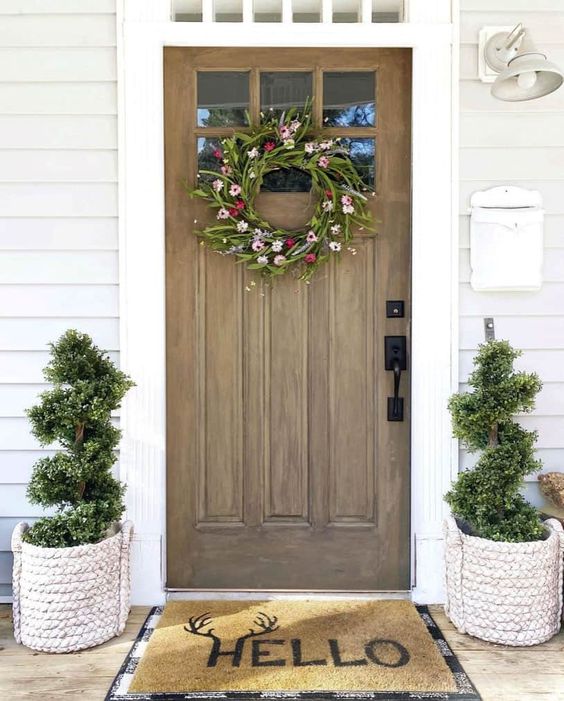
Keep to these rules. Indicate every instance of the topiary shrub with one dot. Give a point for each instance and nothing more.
(76, 413)
(488, 497)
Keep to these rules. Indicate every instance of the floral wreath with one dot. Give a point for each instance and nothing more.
(244, 160)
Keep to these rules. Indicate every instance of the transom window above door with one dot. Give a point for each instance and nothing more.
(343, 105)
(296, 11)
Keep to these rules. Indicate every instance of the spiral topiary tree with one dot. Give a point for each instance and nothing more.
(488, 497)
(76, 413)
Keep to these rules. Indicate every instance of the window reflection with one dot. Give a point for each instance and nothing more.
(349, 99)
(363, 155)
(282, 90)
(223, 98)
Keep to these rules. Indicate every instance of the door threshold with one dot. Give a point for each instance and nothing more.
(281, 594)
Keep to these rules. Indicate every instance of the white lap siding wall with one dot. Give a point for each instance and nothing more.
(58, 211)
(520, 143)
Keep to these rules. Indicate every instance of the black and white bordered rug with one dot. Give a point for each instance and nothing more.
(206, 650)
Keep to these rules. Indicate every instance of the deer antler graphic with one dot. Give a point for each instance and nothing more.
(197, 623)
(265, 623)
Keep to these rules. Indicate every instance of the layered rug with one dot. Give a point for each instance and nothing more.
(338, 649)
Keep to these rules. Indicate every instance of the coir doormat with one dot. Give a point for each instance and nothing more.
(286, 649)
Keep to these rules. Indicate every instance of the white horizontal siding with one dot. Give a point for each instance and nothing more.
(58, 132)
(62, 300)
(58, 233)
(58, 166)
(58, 98)
(22, 65)
(521, 144)
(58, 212)
(25, 334)
(71, 199)
(58, 31)
(59, 267)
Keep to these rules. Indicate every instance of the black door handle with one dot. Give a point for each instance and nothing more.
(396, 403)
(395, 360)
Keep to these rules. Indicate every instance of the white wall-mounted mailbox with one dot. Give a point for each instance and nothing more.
(506, 240)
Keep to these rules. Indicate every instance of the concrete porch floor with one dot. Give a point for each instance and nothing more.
(499, 673)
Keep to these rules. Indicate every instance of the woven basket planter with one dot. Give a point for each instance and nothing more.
(508, 593)
(68, 599)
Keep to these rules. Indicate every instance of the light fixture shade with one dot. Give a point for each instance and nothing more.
(539, 77)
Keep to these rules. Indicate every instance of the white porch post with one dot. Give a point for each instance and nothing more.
(146, 30)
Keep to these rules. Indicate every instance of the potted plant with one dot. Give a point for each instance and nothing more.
(71, 569)
(503, 565)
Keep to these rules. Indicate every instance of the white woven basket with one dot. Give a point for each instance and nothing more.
(68, 599)
(508, 593)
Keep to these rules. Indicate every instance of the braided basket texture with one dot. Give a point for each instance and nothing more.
(508, 593)
(68, 599)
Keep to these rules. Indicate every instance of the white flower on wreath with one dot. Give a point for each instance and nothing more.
(217, 185)
(262, 260)
(257, 245)
(336, 229)
(289, 144)
(326, 145)
(242, 226)
(295, 125)
(348, 209)
(252, 174)
(327, 206)
(223, 213)
(335, 246)
(253, 153)
(277, 245)
(310, 147)
(279, 260)
(235, 190)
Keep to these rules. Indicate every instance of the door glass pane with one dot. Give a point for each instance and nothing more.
(287, 180)
(349, 99)
(363, 155)
(306, 10)
(280, 91)
(206, 158)
(223, 98)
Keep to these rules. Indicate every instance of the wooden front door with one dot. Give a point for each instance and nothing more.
(283, 471)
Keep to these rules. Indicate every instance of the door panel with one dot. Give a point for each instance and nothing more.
(282, 469)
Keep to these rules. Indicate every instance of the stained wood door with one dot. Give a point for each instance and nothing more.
(283, 471)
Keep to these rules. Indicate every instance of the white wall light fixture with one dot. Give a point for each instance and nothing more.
(518, 70)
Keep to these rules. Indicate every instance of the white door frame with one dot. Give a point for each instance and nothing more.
(144, 29)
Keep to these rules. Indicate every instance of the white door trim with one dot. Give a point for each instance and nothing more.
(143, 32)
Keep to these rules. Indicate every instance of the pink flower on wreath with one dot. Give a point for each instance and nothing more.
(235, 190)
(323, 162)
(233, 212)
(257, 245)
(311, 236)
(346, 199)
(223, 213)
(279, 260)
(269, 146)
(226, 170)
(217, 153)
(240, 204)
(290, 243)
(310, 258)
(285, 132)
(217, 185)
